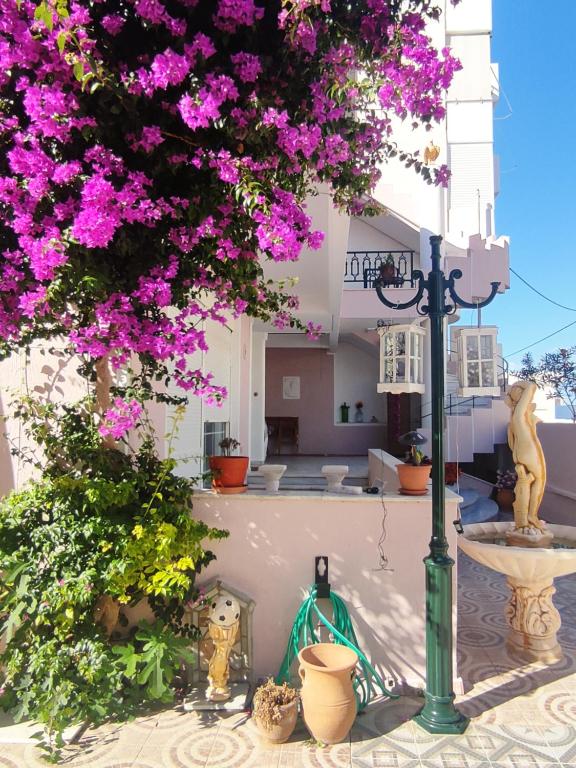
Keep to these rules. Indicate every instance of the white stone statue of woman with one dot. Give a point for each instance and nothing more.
(528, 457)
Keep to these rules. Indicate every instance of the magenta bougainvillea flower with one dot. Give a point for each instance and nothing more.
(156, 152)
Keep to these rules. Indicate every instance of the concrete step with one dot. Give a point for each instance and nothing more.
(301, 482)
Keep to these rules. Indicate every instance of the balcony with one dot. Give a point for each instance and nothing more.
(395, 268)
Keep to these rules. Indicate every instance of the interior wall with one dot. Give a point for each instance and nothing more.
(355, 375)
(318, 434)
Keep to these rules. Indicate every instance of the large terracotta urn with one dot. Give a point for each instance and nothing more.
(327, 696)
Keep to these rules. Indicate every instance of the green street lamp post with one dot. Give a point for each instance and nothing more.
(439, 715)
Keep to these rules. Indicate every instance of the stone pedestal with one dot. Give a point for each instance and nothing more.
(334, 474)
(272, 474)
(198, 701)
(533, 620)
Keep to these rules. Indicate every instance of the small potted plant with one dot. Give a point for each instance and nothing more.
(505, 483)
(228, 472)
(415, 472)
(451, 472)
(275, 710)
(387, 272)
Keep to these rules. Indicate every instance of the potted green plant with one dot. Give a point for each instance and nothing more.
(275, 710)
(505, 484)
(415, 472)
(228, 472)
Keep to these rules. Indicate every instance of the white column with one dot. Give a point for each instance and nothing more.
(257, 398)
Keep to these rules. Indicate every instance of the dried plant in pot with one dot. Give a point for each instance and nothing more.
(228, 471)
(275, 710)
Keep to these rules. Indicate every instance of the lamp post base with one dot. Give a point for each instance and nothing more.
(439, 715)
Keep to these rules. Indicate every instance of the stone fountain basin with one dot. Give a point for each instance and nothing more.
(525, 564)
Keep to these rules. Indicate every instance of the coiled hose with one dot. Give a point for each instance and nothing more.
(367, 683)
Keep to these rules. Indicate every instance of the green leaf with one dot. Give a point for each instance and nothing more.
(78, 70)
(13, 621)
(129, 659)
(61, 41)
(40, 11)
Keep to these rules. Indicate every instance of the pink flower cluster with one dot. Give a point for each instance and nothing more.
(155, 153)
(120, 418)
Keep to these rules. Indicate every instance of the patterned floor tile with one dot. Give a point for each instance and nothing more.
(385, 755)
(522, 746)
(12, 756)
(562, 740)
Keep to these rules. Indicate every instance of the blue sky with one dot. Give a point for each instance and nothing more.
(535, 137)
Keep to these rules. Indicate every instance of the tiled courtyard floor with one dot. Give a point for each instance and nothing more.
(523, 716)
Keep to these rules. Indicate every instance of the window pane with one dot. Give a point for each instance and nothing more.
(388, 371)
(488, 374)
(401, 343)
(472, 347)
(412, 369)
(473, 375)
(486, 347)
(388, 345)
(400, 370)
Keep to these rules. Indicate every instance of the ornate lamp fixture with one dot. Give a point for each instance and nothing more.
(401, 359)
(477, 353)
(439, 715)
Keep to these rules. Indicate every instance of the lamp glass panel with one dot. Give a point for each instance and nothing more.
(388, 345)
(400, 369)
(400, 343)
(486, 346)
(473, 375)
(488, 374)
(389, 371)
(472, 347)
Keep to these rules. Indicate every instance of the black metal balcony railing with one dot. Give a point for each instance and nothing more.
(395, 268)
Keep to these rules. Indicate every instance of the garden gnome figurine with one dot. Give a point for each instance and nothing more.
(223, 624)
(530, 466)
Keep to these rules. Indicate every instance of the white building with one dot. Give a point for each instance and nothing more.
(291, 389)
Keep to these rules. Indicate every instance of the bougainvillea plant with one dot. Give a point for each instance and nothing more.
(155, 152)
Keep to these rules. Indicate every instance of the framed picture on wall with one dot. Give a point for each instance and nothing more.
(291, 387)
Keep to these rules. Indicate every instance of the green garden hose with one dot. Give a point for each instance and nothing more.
(367, 683)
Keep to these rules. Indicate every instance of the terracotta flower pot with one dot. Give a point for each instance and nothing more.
(505, 498)
(328, 701)
(228, 471)
(281, 731)
(414, 478)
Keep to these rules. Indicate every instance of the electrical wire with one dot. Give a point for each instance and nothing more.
(543, 339)
(383, 563)
(562, 306)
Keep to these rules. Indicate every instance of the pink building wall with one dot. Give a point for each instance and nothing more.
(269, 556)
(47, 376)
(315, 409)
(559, 445)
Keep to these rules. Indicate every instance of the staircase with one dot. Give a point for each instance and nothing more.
(303, 473)
(472, 425)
